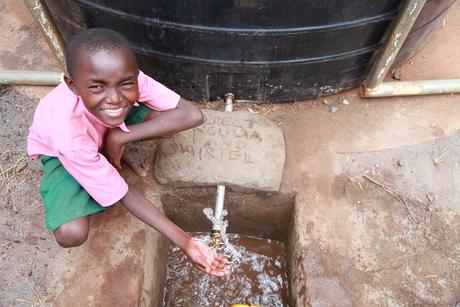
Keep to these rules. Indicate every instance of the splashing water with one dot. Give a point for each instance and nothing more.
(229, 249)
(259, 279)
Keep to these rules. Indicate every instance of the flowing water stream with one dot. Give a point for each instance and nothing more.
(258, 277)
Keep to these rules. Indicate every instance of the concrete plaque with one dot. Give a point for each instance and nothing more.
(231, 148)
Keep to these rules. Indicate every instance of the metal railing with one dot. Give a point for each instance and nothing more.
(374, 86)
(42, 17)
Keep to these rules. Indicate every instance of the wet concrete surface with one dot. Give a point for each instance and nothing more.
(392, 241)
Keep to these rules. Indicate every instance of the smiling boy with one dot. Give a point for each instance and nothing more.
(92, 112)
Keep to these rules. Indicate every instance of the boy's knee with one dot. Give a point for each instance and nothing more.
(72, 234)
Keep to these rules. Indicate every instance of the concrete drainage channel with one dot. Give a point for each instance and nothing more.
(241, 150)
(256, 214)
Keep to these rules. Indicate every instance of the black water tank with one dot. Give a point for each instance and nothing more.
(261, 50)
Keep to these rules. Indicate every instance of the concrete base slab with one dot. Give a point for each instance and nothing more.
(381, 232)
(105, 270)
(121, 264)
(353, 242)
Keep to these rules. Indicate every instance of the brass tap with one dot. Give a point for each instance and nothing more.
(216, 242)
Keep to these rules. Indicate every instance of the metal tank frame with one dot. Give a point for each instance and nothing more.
(373, 86)
(25, 77)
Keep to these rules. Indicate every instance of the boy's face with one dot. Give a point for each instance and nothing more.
(107, 83)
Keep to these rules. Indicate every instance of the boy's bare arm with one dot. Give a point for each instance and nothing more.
(201, 255)
(184, 116)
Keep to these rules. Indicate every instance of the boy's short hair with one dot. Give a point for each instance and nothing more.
(93, 40)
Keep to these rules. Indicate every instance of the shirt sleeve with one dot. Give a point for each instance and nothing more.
(155, 95)
(95, 174)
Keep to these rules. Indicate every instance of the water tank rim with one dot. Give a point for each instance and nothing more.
(242, 31)
(415, 29)
(234, 63)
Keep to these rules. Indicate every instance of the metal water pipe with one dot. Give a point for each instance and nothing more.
(219, 207)
(411, 88)
(400, 29)
(40, 13)
(26, 77)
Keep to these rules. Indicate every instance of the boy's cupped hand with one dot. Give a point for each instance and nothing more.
(206, 259)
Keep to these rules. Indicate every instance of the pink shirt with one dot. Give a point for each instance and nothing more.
(62, 127)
